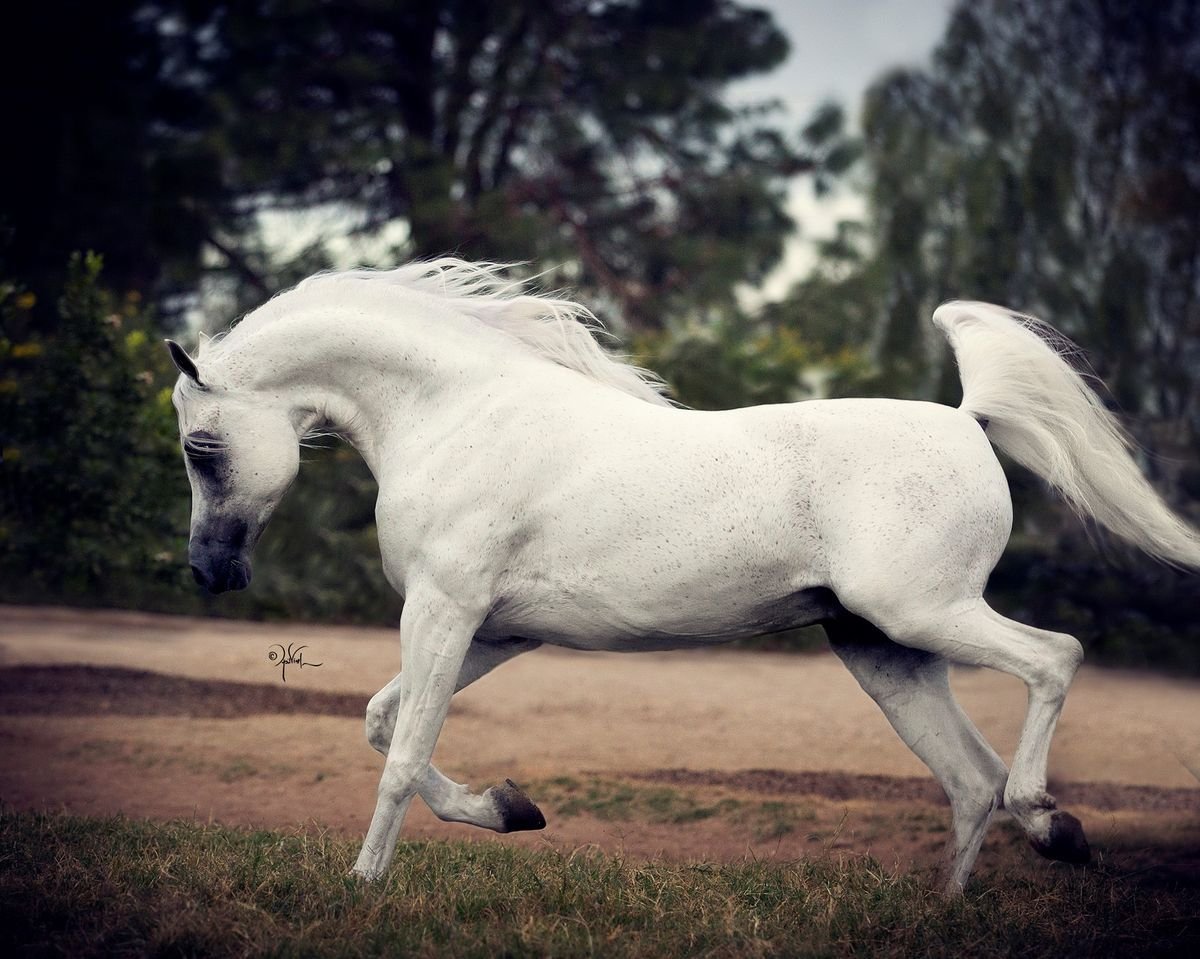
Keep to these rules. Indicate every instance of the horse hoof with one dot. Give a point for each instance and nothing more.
(517, 811)
(1066, 841)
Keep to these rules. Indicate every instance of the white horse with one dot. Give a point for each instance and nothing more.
(533, 489)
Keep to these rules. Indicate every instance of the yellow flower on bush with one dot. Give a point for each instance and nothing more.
(25, 350)
(26, 301)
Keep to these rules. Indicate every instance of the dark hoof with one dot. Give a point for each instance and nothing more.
(1067, 843)
(516, 809)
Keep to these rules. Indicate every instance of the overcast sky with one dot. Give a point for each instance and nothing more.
(838, 48)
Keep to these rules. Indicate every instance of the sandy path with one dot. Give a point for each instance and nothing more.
(552, 711)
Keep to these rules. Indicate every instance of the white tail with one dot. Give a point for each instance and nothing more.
(1043, 414)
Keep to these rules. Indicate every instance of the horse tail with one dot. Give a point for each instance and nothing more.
(1036, 408)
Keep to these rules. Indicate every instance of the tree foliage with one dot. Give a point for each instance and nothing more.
(99, 154)
(576, 130)
(593, 133)
(93, 497)
(1045, 158)
(93, 493)
(1048, 161)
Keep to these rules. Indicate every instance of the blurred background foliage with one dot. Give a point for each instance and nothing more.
(1045, 158)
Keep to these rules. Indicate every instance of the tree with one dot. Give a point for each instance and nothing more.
(1046, 160)
(588, 131)
(593, 133)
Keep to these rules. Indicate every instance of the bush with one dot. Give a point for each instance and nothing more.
(93, 500)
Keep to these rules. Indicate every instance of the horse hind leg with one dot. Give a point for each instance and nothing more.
(503, 808)
(912, 689)
(972, 632)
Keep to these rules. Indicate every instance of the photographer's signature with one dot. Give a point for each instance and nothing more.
(290, 656)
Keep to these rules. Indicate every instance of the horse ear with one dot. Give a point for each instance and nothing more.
(183, 362)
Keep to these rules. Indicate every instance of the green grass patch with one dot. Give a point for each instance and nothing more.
(614, 801)
(92, 887)
(618, 801)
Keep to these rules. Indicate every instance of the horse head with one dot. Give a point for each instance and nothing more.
(241, 450)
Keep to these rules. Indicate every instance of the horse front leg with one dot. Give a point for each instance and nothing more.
(501, 808)
(435, 633)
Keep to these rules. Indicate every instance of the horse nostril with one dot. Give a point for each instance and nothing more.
(201, 577)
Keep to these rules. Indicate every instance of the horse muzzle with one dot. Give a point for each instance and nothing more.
(221, 574)
(221, 562)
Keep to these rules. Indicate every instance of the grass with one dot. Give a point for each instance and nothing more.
(92, 887)
(619, 801)
(616, 801)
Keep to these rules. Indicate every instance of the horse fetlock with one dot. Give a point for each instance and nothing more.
(516, 811)
(1029, 806)
(1053, 832)
(365, 875)
(952, 887)
(398, 782)
(955, 869)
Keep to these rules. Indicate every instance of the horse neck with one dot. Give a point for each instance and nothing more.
(371, 378)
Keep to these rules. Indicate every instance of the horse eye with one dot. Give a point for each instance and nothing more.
(202, 446)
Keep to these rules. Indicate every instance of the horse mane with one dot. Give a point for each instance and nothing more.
(559, 329)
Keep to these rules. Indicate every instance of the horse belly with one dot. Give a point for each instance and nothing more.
(624, 612)
(592, 630)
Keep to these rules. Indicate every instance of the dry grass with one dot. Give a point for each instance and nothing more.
(87, 887)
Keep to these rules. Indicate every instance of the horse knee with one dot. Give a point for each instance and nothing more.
(380, 721)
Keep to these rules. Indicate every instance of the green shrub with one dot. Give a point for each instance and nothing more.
(93, 500)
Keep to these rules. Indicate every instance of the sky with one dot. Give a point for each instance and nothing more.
(838, 49)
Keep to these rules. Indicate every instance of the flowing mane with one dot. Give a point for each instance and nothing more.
(558, 329)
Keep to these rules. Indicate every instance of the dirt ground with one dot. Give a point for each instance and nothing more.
(165, 717)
